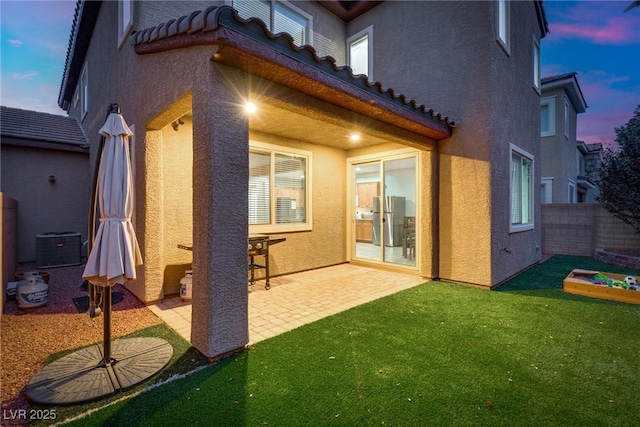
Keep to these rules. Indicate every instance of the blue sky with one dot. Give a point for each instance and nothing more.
(594, 38)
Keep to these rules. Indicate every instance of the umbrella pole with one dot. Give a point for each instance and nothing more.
(107, 325)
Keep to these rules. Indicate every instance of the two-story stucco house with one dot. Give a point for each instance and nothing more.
(336, 125)
(562, 162)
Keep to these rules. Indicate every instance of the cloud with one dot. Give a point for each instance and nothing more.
(15, 43)
(614, 31)
(612, 100)
(596, 22)
(24, 76)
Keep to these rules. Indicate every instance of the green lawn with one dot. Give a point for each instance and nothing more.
(437, 354)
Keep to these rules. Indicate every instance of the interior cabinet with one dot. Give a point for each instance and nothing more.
(364, 230)
(366, 191)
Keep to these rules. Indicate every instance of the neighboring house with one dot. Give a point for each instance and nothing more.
(45, 168)
(210, 173)
(589, 164)
(561, 102)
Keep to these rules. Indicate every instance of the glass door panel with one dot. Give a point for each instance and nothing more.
(399, 211)
(368, 211)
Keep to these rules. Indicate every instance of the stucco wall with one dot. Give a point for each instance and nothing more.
(177, 194)
(445, 67)
(559, 153)
(515, 119)
(325, 243)
(44, 206)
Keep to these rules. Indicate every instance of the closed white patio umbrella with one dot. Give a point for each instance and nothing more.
(115, 252)
(98, 371)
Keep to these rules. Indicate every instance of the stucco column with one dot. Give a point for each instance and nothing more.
(220, 212)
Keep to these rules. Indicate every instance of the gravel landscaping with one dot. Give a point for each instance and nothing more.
(29, 336)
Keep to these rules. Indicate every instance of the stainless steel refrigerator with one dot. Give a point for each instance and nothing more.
(392, 213)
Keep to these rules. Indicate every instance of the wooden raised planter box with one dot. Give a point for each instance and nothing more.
(579, 282)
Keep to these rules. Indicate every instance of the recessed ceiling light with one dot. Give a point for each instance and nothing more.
(250, 107)
(354, 137)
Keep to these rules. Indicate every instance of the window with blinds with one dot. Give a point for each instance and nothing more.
(359, 56)
(360, 52)
(278, 188)
(521, 193)
(278, 17)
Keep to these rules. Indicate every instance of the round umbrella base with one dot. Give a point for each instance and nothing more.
(83, 376)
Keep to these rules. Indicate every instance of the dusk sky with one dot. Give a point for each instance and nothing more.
(596, 39)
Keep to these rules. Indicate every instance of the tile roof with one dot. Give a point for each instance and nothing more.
(37, 126)
(557, 77)
(159, 38)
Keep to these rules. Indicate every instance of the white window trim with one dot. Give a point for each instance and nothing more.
(551, 102)
(84, 89)
(548, 182)
(567, 114)
(368, 32)
(285, 228)
(572, 191)
(309, 32)
(515, 228)
(506, 42)
(124, 28)
(537, 60)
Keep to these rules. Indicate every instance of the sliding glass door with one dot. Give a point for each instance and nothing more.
(384, 208)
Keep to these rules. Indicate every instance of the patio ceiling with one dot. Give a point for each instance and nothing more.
(303, 118)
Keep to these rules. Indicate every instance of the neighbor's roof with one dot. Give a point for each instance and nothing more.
(570, 83)
(33, 126)
(252, 36)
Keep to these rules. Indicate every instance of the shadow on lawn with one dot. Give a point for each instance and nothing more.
(216, 394)
(545, 279)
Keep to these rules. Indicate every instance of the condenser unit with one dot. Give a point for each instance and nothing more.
(58, 249)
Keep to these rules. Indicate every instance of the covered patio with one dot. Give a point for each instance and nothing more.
(297, 299)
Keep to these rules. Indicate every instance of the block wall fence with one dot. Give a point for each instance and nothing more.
(581, 228)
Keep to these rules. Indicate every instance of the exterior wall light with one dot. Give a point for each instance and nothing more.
(250, 107)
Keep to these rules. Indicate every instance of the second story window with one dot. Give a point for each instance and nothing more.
(279, 16)
(503, 24)
(125, 13)
(84, 91)
(547, 116)
(360, 52)
(536, 64)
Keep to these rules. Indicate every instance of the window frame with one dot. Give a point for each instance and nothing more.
(572, 196)
(308, 34)
(84, 91)
(537, 60)
(567, 114)
(125, 20)
(550, 101)
(368, 33)
(503, 18)
(518, 227)
(273, 226)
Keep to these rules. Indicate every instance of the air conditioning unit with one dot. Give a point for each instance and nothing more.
(58, 249)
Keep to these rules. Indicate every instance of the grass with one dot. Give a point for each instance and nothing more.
(436, 354)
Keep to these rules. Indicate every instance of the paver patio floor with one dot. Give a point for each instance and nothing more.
(300, 298)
